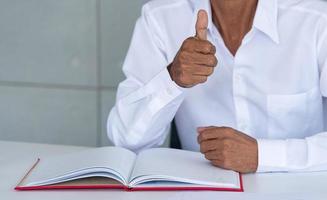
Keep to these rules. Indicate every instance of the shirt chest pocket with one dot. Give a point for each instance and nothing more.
(294, 116)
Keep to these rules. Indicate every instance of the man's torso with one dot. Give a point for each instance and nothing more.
(270, 89)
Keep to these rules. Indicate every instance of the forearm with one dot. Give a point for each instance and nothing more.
(141, 118)
(307, 154)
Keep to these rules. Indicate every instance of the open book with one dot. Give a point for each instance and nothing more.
(119, 168)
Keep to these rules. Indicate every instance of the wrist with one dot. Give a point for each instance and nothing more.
(169, 68)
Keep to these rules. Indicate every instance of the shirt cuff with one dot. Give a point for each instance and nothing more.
(163, 91)
(164, 81)
(272, 155)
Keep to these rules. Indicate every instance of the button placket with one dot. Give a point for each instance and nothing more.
(239, 92)
(239, 87)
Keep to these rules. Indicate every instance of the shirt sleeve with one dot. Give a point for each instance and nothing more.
(308, 154)
(147, 100)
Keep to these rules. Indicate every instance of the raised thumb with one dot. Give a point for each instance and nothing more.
(201, 25)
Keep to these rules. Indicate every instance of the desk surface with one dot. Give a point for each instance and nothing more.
(16, 158)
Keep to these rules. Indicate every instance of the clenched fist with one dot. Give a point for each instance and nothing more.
(229, 149)
(196, 59)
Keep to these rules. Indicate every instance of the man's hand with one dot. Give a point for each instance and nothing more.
(196, 59)
(229, 149)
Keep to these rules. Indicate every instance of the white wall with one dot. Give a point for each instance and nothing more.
(60, 64)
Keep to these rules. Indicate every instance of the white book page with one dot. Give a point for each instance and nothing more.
(171, 165)
(116, 162)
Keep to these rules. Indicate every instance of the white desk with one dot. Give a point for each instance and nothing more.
(16, 158)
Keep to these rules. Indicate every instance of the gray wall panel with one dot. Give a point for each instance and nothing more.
(107, 101)
(48, 41)
(117, 24)
(48, 115)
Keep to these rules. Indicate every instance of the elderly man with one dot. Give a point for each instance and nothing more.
(245, 81)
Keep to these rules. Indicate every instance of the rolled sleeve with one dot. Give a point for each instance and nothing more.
(148, 99)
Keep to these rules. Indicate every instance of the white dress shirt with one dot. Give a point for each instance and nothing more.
(272, 89)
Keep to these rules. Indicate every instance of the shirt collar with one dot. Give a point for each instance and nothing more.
(265, 19)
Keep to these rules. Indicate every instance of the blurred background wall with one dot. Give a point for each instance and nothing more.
(60, 64)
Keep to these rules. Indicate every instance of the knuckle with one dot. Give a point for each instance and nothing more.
(184, 79)
(214, 49)
(226, 144)
(215, 163)
(210, 71)
(182, 56)
(202, 149)
(187, 43)
(225, 129)
(229, 131)
(180, 76)
(203, 80)
(183, 66)
(210, 47)
(212, 60)
(179, 60)
(207, 48)
(226, 163)
(189, 39)
(201, 137)
(224, 154)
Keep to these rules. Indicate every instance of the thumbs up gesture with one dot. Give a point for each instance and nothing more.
(195, 60)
